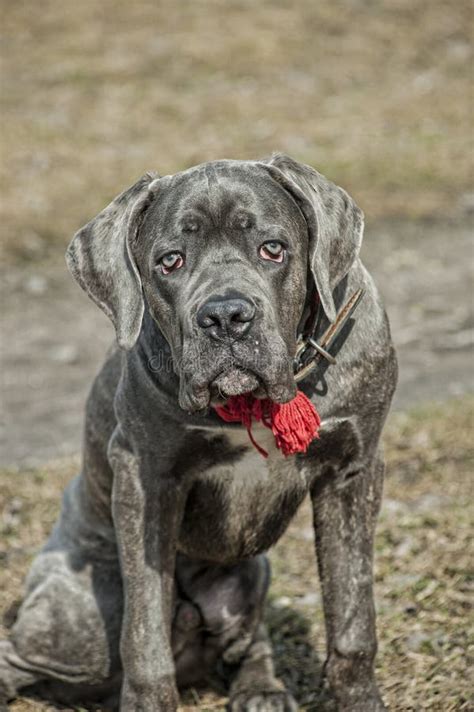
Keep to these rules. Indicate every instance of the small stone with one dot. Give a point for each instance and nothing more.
(393, 506)
(36, 285)
(307, 534)
(66, 353)
(405, 547)
(415, 641)
(310, 599)
(424, 82)
(459, 51)
(282, 602)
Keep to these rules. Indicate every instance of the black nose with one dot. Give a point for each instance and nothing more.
(226, 318)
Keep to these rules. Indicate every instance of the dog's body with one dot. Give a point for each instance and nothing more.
(159, 551)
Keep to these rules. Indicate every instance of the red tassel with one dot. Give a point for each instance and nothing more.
(294, 424)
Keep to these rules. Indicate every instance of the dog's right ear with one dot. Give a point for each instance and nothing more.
(100, 260)
(335, 223)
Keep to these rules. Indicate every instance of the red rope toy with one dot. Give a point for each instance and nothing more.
(294, 424)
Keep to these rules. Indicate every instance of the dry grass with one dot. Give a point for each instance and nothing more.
(424, 570)
(377, 95)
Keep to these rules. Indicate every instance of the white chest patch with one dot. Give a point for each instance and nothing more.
(251, 462)
(238, 436)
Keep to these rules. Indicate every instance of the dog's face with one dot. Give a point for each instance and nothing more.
(222, 254)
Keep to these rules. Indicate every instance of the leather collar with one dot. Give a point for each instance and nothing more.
(310, 352)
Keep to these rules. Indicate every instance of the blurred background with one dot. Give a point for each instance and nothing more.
(377, 95)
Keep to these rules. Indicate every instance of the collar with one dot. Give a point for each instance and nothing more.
(310, 352)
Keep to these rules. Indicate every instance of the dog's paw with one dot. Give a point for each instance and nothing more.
(255, 701)
(9, 675)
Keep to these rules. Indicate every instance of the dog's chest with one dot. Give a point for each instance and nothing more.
(242, 502)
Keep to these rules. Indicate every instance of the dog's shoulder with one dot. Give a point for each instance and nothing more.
(100, 402)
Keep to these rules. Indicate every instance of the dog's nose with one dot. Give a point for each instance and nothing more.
(226, 318)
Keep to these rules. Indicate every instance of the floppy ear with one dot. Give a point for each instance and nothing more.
(335, 224)
(100, 260)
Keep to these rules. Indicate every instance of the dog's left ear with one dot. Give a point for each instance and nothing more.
(335, 223)
(100, 259)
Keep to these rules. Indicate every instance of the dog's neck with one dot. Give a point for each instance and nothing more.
(155, 354)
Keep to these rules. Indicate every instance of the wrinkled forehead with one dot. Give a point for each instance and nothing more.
(222, 190)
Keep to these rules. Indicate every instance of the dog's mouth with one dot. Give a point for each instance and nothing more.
(213, 381)
(235, 382)
(238, 381)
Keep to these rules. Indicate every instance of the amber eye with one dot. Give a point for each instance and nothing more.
(171, 262)
(272, 250)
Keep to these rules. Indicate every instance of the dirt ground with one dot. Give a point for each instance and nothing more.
(376, 95)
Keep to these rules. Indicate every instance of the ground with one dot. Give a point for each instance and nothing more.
(423, 570)
(376, 95)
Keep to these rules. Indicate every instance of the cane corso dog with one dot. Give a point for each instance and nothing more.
(155, 575)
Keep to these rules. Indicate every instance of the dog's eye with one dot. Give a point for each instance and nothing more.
(171, 262)
(273, 251)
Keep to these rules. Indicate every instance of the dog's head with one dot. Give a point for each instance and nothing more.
(223, 254)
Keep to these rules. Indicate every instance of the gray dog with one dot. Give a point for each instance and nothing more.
(155, 574)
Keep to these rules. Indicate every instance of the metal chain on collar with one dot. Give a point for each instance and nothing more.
(302, 365)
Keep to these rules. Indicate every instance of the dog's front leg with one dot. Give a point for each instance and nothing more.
(345, 510)
(147, 507)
